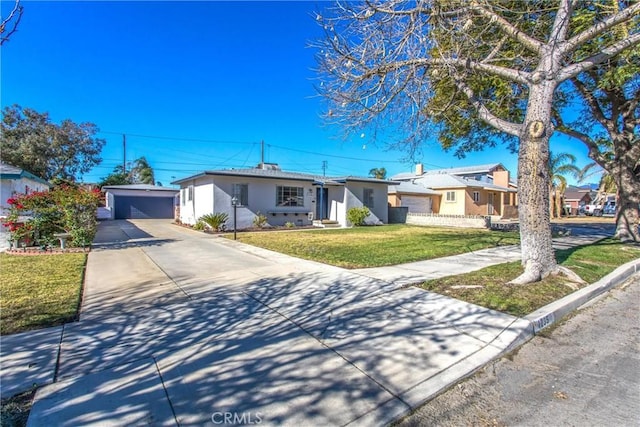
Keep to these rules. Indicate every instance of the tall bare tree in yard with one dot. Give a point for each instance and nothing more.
(478, 70)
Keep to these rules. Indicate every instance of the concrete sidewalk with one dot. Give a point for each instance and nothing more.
(202, 327)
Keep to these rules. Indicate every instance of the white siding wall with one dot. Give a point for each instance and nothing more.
(11, 187)
(203, 197)
(354, 198)
(337, 202)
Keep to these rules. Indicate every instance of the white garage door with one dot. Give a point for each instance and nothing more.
(417, 204)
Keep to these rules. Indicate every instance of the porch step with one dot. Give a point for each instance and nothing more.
(325, 223)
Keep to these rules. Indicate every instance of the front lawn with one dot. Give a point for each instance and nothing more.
(487, 287)
(362, 247)
(39, 291)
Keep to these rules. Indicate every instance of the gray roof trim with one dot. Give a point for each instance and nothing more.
(8, 171)
(139, 187)
(406, 187)
(278, 174)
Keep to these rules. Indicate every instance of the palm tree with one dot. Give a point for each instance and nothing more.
(559, 166)
(379, 173)
(607, 184)
(142, 172)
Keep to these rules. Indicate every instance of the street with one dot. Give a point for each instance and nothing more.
(585, 372)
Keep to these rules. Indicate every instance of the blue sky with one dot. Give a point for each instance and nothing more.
(196, 86)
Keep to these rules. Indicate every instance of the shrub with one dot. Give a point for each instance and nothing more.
(289, 224)
(217, 221)
(260, 220)
(356, 216)
(200, 225)
(65, 208)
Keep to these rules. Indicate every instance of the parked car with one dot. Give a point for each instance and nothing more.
(594, 210)
(609, 209)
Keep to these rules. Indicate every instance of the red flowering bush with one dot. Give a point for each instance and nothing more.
(64, 209)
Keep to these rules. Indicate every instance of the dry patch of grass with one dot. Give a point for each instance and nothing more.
(488, 288)
(39, 291)
(362, 247)
(14, 411)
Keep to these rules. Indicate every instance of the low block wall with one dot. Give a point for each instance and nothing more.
(462, 221)
(398, 215)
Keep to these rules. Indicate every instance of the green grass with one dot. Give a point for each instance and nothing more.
(488, 288)
(362, 247)
(39, 291)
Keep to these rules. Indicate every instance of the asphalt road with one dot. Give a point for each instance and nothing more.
(585, 372)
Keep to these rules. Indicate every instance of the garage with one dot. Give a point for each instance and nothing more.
(140, 201)
(417, 204)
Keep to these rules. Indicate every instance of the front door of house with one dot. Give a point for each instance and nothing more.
(322, 203)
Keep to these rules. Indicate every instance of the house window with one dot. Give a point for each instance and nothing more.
(451, 196)
(367, 197)
(476, 196)
(507, 199)
(241, 193)
(190, 193)
(289, 196)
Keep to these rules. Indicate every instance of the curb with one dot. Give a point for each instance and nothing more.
(552, 313)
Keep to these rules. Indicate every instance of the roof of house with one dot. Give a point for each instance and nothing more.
(575, 193)
(8, 171)
(280, 174)
(139, 187)
(408, 187)
(463, 170)
(443, 181)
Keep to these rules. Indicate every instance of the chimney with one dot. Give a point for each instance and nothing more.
(419, 169)
(501, 178)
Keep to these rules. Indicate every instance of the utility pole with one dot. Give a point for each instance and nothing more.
(124, 153)
(262, 154)
(324, 168)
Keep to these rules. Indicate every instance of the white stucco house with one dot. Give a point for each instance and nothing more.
(15, 181)
(282, 196)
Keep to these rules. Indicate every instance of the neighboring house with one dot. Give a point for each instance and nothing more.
(282, 196)
(15, 181)
(416, 197)
(575, 198)
(137, 201)
(471, 190)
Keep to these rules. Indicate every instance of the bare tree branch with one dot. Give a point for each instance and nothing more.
(486, 115)
(606, 53)
(9, 25)
(509, 29)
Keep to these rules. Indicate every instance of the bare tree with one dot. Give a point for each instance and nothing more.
(9, 25)
(393, 66)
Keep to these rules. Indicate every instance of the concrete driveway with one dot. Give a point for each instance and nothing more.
(183, 328)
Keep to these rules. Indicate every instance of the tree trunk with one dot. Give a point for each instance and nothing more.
(551, 201)
(628, 216)
(538, 257)
(558, 200)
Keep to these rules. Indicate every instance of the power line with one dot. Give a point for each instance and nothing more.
(172, 138)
